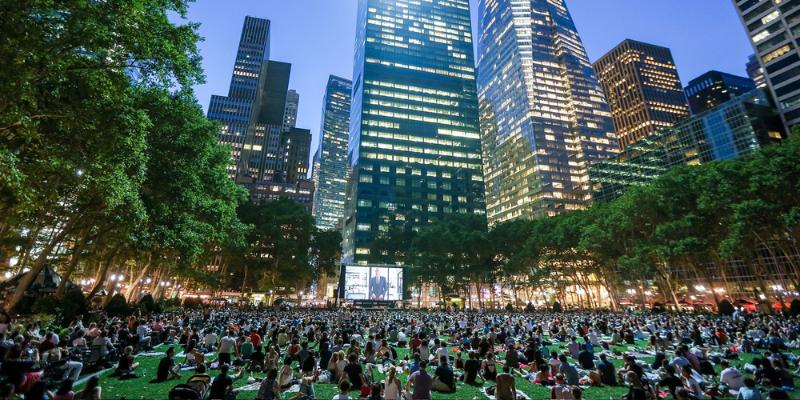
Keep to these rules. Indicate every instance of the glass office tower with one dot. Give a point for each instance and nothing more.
(234, 111)
(269, 155)
(543, 114)
(773, 27)
(414, 150)
(330, 160)
(714, 88)
(730, 130)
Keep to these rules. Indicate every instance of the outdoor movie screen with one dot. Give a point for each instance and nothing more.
(373, 283)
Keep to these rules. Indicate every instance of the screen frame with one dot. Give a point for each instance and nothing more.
(344, 295)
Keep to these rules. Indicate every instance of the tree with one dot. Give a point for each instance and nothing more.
(326, 253)
(278, 243)
(70, 131)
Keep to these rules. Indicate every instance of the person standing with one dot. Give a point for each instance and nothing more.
(227, 346)
(378, 286)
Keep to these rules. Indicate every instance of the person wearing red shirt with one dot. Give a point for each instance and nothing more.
(255, 338)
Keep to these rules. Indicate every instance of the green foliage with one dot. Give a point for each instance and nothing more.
(794, 308)
(72, 304)
(192, 303)
(147, 304)
(102, 141)
(118, 306)
(276, 254)
(725, 307)
(45, 305)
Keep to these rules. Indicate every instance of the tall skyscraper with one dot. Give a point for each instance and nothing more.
(330, 160)
(714, 88)
(643, 89)
(268, 160)
(730, 130)
(755, 71)
(234, 111)
(414, 149)
(543, 115)
(772, 26)
(290, 111)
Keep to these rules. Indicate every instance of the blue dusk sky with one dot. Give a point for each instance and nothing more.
(316, 37)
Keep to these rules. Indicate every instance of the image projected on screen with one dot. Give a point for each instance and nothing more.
(373, 283)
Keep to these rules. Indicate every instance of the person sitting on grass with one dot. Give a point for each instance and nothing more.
(506, 388)
(126, 365)
(489, 367)
(606, 370)
(472, 367)
(166, 367)
(568, 370)
(200, 377)
(222, 386)
(421, 383)
(64, 391)
(256, 362)
(561, 390)
(748, 391)
(392, 387)
(268, 389)
(443, 378)
(353, 372)
(286, 374)
(344, 388)
(193, 355)
(92, 390)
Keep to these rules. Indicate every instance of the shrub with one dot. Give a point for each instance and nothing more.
(118, 306)
(794, 308)
(725, 307)
(192, 302)
(557, 307)
(46, 305)
(147, 305)
(72, 305)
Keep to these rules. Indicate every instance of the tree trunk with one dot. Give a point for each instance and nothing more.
(37, 266)
(73, 262)
(137, 283)
(101, 276)
(244, 279)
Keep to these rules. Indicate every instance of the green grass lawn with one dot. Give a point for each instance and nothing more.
(140, 388)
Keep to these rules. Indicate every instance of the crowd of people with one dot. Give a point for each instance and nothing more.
(407, 354)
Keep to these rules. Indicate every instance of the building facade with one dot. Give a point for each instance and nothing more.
(330, 160)
(414, 148)
(643, 89)
(773, 27)
(543, 115)
(730, 130)
(290, 111)
(713, 88)
(755, 71)
(253, 116)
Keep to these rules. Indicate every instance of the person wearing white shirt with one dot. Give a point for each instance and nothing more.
(441, 351)
(730, 377)
(401, 338)
(210, 340)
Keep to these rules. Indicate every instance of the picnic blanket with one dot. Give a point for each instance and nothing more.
(520, 395)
